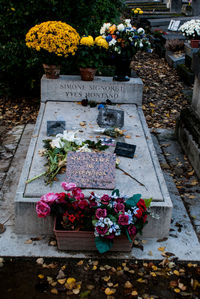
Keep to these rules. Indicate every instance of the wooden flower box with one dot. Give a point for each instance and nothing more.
(85, 241)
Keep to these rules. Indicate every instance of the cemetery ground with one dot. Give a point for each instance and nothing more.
(163, 98)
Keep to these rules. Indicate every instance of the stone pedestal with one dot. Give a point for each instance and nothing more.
(144, 166)
(175, 6)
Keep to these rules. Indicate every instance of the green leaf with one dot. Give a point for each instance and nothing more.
(148, 202)
(116, 191)
(103, 245)
(128, 236)
(94, 222)
(132, 201)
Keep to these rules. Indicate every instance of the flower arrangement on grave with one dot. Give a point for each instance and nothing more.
(124, 41)
(158, 33)
(191, 29)
(90, 55)
(109, 216)
(52, 41)
(56, 150)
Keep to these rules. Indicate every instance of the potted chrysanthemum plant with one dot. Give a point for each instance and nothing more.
(108, 222)
(51, 42)
(90, 56)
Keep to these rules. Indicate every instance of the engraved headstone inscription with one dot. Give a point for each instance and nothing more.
(55, 127)
(91, 170)
(125, 149)
(110, 118)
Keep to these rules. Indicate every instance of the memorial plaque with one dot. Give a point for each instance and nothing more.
(125, 149)
(110, 118)
(55, 127)
(91, 170)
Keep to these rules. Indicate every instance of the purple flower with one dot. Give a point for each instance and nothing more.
(42, 209)
(132, 230)
(68, 186)
(105, 199)
(123, 219)
(102, 230)
(101, 213)
(49, 198)
(119, 207)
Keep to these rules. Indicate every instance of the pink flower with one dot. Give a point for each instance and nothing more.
(132, 230)
(105, 199)
(82, 204)
(119, 207)
(49, 198)
(123, 219)
(61, 197)
(68, 186)
(101, 213)
(102, 230)
(42, 209)
(77, 193)
(119, 200)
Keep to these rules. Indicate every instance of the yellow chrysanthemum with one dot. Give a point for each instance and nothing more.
(87, 41)
(97, 38)
(135, 11)
(138, 8)
(54, 37)
(101, 42)
(140, 12)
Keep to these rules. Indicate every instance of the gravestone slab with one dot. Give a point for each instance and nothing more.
(144, 172)
(55, 127)
(125, 149)
(71, 88)
(174, 59)
(91, 170)
(189, 51)
(110, 118)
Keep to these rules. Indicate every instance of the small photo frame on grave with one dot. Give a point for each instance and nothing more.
(55, 127)
(125, 149)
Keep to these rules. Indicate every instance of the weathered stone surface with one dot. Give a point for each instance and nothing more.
(174, 59)
(110, 118)
(175, 5)
(196, 96)
(71, 88)
(189, 50)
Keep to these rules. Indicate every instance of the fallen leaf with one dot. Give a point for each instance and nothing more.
(177, 290)
(76, 291)
(28, 241)
(127, 136)
(54, 291)
(40, 276)
(134, 293)
(128, 285)
(80, 263)
(106, 278)
(109, 291)
(61, 281)
(161, 249)
(40, 261)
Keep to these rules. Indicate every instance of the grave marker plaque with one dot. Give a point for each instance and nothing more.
(110, 118)
(91, 170)
(55, 127)
(125, 149)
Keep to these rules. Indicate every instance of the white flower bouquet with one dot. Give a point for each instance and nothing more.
(191, 29)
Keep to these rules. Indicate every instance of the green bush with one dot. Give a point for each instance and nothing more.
(20, 73)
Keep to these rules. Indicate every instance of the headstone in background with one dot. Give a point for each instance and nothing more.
(196, 7)
(110, 118)
(55, 127)
(91, 170)
(175, 6)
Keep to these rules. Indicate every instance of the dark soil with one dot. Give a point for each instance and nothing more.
(25, 279)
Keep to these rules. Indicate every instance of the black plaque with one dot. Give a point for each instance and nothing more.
(125, 149)
(55, 127)
(110, 118)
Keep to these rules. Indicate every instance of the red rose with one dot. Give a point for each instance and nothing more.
(105, 199)
(77, 193)
(42, 209)
(61, 197)
(123, 219)
(82, 204)
(132, 230)
(101, 213)
(141, 205)
(138, 213)
(119, 200)
(102, 230)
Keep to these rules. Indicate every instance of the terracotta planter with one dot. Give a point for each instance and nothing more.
(87, 74)
(52, 71)
(195, 43)
(84, 241)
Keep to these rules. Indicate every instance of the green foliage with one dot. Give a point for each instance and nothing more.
(132, 201)
(103, 245)
(20, 72)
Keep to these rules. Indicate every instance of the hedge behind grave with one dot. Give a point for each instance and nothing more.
(19, 72)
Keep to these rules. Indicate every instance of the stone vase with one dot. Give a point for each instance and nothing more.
(87, 74)
(51, 71)
(85, 240)
(195, 43)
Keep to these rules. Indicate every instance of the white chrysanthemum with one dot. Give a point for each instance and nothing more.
(127, 22)
(141, 31)
(120, 27)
